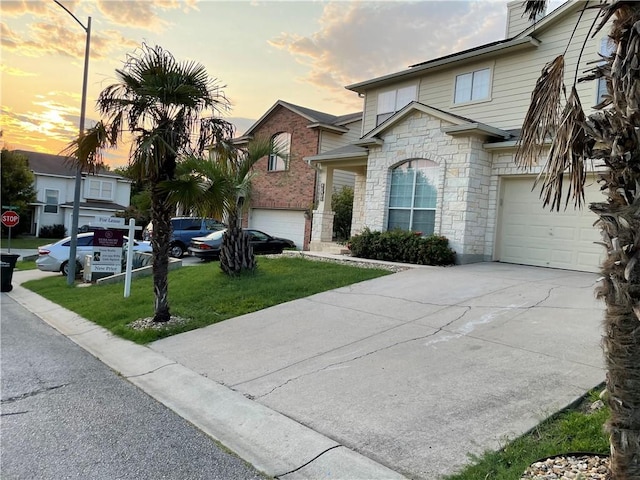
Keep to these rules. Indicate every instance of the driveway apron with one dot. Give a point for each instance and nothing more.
(418, 369)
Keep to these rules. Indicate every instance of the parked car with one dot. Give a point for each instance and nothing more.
(208, 247)
(54, 257)
(183, 229)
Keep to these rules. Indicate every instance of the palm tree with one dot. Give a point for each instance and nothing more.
(609, 136)
(221, 187)
(160, 103)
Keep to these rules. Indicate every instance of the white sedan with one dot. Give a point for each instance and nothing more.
(54, 257)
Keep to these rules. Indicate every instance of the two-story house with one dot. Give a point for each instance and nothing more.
(103, 193)
(285, 186)
(436, 153)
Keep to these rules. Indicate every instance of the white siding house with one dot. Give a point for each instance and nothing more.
(438, 143)
(103, 193)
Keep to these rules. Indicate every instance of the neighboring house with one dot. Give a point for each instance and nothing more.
(104, 193)
(438, 145)
(285, 188)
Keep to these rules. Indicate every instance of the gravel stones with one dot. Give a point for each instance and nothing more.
(569, 467)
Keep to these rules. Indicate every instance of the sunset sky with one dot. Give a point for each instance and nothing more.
(303, 52)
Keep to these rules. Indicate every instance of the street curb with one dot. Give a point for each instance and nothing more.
(275, 444)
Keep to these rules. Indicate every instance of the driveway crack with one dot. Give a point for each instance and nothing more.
(279, 476)
(386, 347)
(31, 394)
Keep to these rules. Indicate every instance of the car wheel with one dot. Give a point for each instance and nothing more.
(176, 250)
(65, 269)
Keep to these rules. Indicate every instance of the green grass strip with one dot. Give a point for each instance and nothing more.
(202, 293)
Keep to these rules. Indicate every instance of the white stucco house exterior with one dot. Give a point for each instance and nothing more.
(437, 145)
(103, 193)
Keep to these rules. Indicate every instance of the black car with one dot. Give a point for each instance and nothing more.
(208, 248)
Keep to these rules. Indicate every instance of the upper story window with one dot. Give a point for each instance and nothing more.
(51, 201)
(472, 86)
(99, 189)
(607, 48)
(392, 101)
(413, 196)
(280, 162)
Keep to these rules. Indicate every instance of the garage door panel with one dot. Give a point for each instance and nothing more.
(531, 235)
(280, 223)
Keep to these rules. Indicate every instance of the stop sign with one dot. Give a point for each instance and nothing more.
(10, 218)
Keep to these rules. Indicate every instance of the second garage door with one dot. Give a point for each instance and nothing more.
(279, 223)
(531, 235)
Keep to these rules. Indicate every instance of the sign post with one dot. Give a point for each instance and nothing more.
(10, 219)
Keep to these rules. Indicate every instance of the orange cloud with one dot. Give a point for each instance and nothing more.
(16, 72)
(362, 40)
(139, 14)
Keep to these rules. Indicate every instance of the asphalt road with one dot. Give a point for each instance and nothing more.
(66, 415)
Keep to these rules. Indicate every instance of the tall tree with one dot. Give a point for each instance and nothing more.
(610, 136)
(18, 188)
(158, 103)
(220, 186)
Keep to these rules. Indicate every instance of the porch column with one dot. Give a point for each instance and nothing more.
(359, 189)
(322, 230)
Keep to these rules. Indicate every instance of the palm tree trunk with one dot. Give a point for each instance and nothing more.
(236, 252)
(620, 290)
(161, 218)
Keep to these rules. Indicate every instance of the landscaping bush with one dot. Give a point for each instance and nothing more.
(342, 205)
(53, 231)
(402, 246)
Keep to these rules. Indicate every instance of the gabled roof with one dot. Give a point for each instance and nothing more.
(316, 119)
(48, 164)
(524, 39)
(459, 125)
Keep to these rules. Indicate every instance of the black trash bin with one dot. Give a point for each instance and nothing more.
(8, 263)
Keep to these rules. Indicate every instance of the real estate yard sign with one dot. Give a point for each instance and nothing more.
(107, 251)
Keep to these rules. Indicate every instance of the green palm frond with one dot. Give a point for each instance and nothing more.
(86, 150)
(534, 8)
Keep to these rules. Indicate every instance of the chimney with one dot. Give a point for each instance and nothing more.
(517, 21)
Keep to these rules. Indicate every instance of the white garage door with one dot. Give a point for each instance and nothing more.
(279, 223)
(531, 235)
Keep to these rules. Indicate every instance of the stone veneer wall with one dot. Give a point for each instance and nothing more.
(464, 187)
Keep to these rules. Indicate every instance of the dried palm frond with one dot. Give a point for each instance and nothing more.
(569, 150)
(542, 118)
(534, 8)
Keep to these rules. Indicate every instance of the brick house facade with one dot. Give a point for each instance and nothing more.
(282, 200)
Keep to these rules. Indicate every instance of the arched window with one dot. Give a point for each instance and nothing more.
(412, 202)
(280, 162)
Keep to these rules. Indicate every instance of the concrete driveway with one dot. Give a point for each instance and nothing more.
(418, 369)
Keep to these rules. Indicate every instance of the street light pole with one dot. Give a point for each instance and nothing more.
(71, 275)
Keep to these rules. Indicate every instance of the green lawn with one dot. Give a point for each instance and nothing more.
(26, 265)
(574, 430)
(26, 242)
(202, 294)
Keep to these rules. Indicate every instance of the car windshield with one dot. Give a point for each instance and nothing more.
(212, 224)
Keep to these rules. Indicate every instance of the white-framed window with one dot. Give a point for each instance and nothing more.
(280, 162)
(472, 86)
(607, 47)
(413, 196)
(394, 100)
(99, 189)
(51, 200)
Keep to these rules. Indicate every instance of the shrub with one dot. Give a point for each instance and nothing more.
(402, 246)
(342, 205)
(53, 231)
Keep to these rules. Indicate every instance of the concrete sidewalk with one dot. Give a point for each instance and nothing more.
(401, 375)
